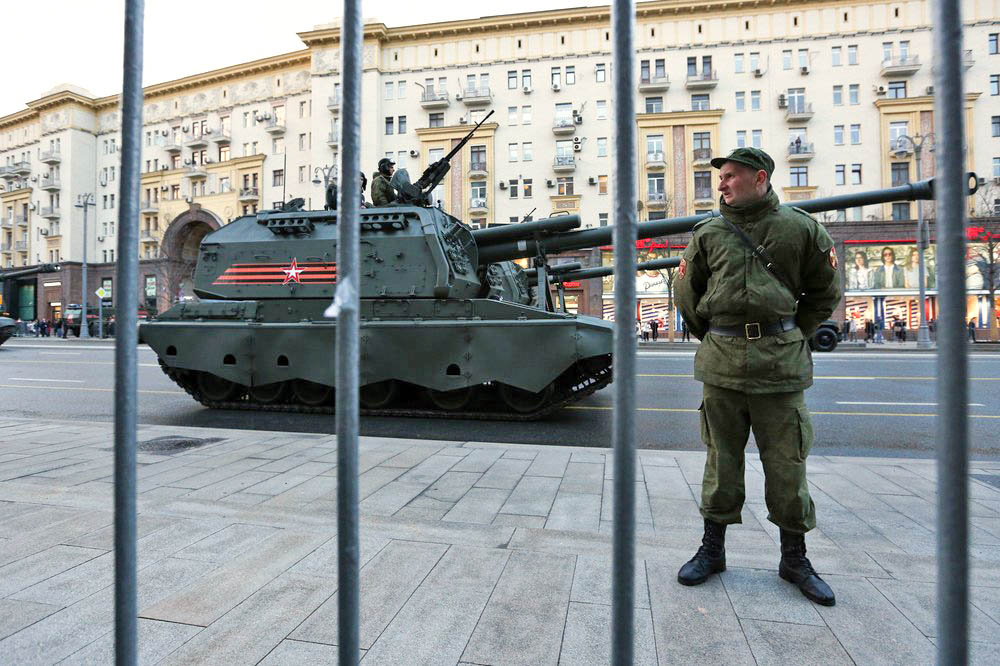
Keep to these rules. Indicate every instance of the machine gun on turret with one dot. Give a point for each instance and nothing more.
(419, 193)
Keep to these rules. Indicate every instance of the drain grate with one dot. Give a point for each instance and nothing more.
(992, 479)
(171, 444)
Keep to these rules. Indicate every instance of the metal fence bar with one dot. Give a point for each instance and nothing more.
(126, 327)
(623, 417)
(953, 371)
(348, 331)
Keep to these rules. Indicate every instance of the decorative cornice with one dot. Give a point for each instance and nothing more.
(455, 132)
(923, 102)
(669, 118)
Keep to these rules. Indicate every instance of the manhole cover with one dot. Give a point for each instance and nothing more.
(992, 479)
(171, 444)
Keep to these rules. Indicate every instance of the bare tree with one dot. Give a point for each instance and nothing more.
(984, 228)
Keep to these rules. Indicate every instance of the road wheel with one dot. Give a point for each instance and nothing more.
(454, 400)
(216, 388)
(824, 340)
(524, 402)
(312, 394)
(379, 394)
(269, 394)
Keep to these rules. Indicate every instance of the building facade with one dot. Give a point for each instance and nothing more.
(837, 92)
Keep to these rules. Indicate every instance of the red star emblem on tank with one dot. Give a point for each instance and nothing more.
(292, 273)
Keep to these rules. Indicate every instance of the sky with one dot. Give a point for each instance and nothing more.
(50, 42)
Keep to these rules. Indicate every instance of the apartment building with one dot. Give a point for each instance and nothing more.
(830, 89)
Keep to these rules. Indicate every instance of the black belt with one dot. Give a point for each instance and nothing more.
(754, 330)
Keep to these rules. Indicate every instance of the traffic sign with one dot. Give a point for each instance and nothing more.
(102, 293)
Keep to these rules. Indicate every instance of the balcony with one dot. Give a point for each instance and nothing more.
(703, 81)
(221, 137)
(564, 164)
(173, 146)
(51, 157)
(654, 84)
(333, 139)
(21, 220)
(701, 157)
(563, 126)
(249, 194)
(656, 200)
(5, 247)
(196, 142)
(333, 103)
(477, 205)
(477, 170)
(7, 172)
(21, 168)
(54, 232)
(275, 126)
(655, 161)
(21, 246)
(800, 152)
(435, 99)
(900, 148)
(967, 59)
(901, 66)
(149, 207)
(703, 196)
(49, 212)
(196, 171)
(7, 223)
(50, 184)
(146, 236)
(799, 112)
(477, 96)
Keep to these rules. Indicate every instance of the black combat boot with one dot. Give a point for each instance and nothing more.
(710, 558)
(796, 568)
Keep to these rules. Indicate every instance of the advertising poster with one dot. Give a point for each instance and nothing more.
(894, 267)
(648, 283)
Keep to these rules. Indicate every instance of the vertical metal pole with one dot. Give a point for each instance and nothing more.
(953, 372)
(83, 297)
(923, 333)
(348, 332)
(623, 417)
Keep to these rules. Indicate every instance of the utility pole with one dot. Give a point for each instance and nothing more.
(923, 333)
(84, 201)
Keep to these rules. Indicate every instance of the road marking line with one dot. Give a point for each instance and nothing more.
(897, 404)
(673, 409)
(54, 353)
(847, 377)
(141, 365)
(81, 388)
(29, 379)
(108, 347)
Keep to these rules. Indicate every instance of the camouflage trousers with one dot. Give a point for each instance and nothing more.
(784, 435)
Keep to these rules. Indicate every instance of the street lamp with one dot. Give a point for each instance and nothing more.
(329, 173)
(923, 334)
(84, 201)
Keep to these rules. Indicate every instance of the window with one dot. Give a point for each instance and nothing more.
(838, 135)
(570, 75)
(741, 138)
(839, 174)
(796, 100)
(401, 125)
(654, 105)
(852, 94)
(526, 78)
(600, 73)
(527, 153)
(901, 211)
(840, 215)
(526, 189)
(702, 184)
(798, 176)
(702, 140)
(436, 120)
(995, 84)
(602, 219)
(741, 101)
(654, 146)
(904, 50)
(302, 176)
(996, 167)
(738, 63)
(852, 54)
(754, 61)
(556, 76)
(993, 43)
(786, 59)
(602, 109)
(278, 177)
(511, 115)
(513, 151)
(388, 125)
(838, 95)
(302, 141)
(654, 184)
(602, 146)
(564, 185)
(995, 123)
(896, 130)
(477, 189)
(602, 184)
(855, 174)
(856, 134)
(886, 52)
(699, 103)
(803, 57)
(836, 53)
(526, 115)
(755, 100)
(757, 138)
(401, 90)
(900, 173)
(277, 147)
(692, 67)
(512, 79)
(897, 90)
(514, 186)
(389, 88)
(477, 156)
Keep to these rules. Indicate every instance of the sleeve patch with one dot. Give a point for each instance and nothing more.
(682, 269)
(833, 258)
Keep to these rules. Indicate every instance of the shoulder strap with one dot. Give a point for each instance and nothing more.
(764, 256)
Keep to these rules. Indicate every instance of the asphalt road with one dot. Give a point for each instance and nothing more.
(863, 402)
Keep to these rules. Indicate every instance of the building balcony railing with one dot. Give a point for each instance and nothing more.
(5, 247)
(173, 146)
(702, 81)
(54, 232)
(434, 99)
(701, 156)
(800, 112)
(477, 96)
(146, 236)
(249, 194)
(704, 195)
(149, 207)
(21, 220)
(50, 184)
(654, 84)
(656, 161)
(333, 103)
(275, 126)
(196, 142)
(901, 66)
(333, 139)
(564, 164)
(800, 152)
(968, 60)
(21, 245)
(7, 223)
(49, 212)
(21, 168)
(563, 126)
(7, 172)
(900, 148)
(196, 171)
(51, 157)
(656, 200)
(221, 136)
(477, 170)
(477, 205)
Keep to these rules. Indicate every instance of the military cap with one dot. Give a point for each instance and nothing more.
(385, 162)
(755, 158)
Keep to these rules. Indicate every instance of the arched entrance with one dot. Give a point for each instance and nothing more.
(179, 254)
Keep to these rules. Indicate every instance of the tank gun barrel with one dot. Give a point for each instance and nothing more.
(41, 268)
(556, 270)
(524, 230)
(587, 238)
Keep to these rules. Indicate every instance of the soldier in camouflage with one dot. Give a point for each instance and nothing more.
(754, 359)
(382, 192)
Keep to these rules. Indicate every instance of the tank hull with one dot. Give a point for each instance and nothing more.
(7, 328)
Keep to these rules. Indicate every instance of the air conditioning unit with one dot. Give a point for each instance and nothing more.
(804, 69)
(577, 118)
(100, 239)
(879, 90)
(188, 162)
(209, 160)
(550, 183)
(577, 139)
(930, 90)
(782, 102)
(592, 180)
(503, 184)
(414, 153)
(164, 188)
(526, 90)
(207, 132)
(463, 120)
(458, 96)
(996, 181)
(577, 147)
(556, 87)
(43, 232)
(164, 168)
(165, 132)
(758, 72)
(184, 129)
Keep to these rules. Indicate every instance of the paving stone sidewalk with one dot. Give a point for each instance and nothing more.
(472, 553)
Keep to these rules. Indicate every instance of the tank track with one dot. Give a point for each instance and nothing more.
(583, 384)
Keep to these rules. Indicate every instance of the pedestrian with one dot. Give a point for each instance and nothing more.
(382, 192)
(878, 332)
(364, 186)
(654, 327)
(869, 330)
(645, 331)
(932, 329)
(972, 330)
(685, 332)
(754, 360)
(846, 333)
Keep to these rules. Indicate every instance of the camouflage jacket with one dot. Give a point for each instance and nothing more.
(720, 283)
(382, 192)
